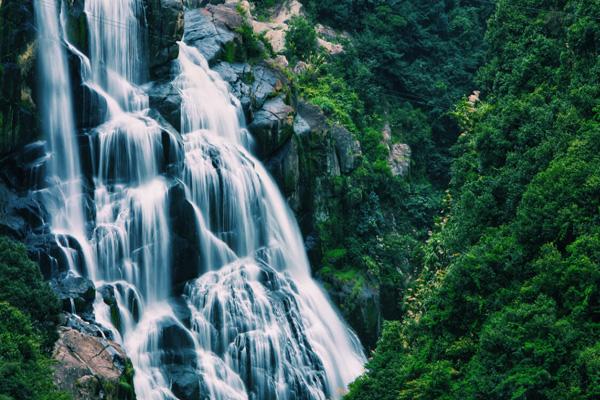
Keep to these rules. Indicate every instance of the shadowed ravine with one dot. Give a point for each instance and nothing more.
(239, 316)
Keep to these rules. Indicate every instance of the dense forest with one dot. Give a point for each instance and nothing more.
(483, 253)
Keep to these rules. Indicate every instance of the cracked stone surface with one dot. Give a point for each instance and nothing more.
(88, 367)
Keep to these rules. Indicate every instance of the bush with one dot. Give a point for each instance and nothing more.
(22, 286)
(25, 372)
(300, 39)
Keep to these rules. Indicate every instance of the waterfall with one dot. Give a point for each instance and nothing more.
(239, 316)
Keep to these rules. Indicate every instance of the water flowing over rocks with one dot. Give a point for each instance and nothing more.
(160, 231)
(157, 185)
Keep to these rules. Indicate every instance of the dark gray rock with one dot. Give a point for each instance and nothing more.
(77, 26)
(165, 27)
(185, 239)
(185, 382)
(88, 328)
(238, 76)
(267, 83)
(347, 148)
(301, 127)
(76, 293)
(272, 126)
(284, 166)
(203, 33)
(166, 99)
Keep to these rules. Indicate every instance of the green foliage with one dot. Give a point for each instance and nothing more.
(300, 39)
(25, 372)
(508, 303)
(411, 54)
(28, 317)
(22, 285)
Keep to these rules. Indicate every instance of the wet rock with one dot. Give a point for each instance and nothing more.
(19, 215)
(165, 27)
(185, 382)
(347, 149)
(203, 33)
(272, 126)
(90, 368)
(166, 99)
(239, 77)
(25, 170)
(185, 239)
(74, 321)
(76, 293)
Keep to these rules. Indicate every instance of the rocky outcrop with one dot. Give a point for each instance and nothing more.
(165, 20)
(209, 34)
(91, 367)
(347, 149)
(272, 126)
(399, 154)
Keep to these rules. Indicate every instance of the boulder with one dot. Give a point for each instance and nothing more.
(239, 76)
(90, 367)
(165, 28)
(203, 33)
(301, 127)
(76, 293)
(399, 159)
(267, 83)
(272, 126)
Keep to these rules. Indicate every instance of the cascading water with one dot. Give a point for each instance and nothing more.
(247, 321)
(64, 198)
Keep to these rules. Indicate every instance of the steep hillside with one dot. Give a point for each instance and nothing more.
(508, 303)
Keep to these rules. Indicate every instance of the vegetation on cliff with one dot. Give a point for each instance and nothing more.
(507, 306)
(403, 68)
(28, 317)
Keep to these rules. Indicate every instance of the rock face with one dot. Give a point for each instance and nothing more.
(18, 123)
(165, 27)
(92, 368)
(207, 33)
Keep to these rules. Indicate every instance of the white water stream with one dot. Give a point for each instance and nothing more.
(252, 324)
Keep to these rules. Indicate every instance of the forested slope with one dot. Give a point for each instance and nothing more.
(507, 306)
